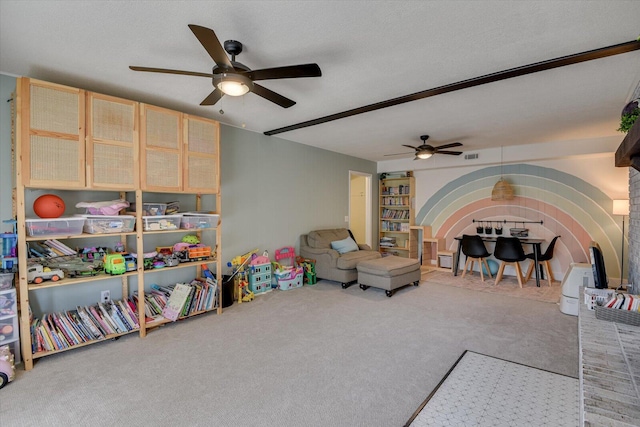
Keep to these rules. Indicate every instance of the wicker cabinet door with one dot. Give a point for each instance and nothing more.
(201, 161)
(161, 149)
(51, 134)
(112, 142)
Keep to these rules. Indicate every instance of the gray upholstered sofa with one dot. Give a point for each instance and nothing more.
(330, 264)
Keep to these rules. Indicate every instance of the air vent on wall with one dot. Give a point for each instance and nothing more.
(471, 156)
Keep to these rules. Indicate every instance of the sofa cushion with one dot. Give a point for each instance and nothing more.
(345, 245)
(350, 260)
(321, 239)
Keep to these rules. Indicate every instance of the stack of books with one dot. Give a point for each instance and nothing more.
(387, 242)
(58, 331)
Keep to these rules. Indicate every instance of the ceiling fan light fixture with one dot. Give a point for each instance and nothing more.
(424, 155)
(233, 84)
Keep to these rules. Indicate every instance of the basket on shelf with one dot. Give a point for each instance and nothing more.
(617, 315)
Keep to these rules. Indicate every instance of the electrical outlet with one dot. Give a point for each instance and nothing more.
(105, 296)
(346, 218)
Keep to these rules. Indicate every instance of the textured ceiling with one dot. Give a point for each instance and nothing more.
(368, 51)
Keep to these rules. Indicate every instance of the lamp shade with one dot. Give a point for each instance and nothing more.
(502, 191)
(620, 207)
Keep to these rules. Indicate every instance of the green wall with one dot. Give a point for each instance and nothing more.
(7, 86)
(273, 190)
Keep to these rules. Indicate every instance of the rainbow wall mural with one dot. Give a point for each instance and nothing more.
(567, 206)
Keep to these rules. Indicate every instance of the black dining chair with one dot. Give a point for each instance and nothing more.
(544, 260)
(475, 251)
(509, 251)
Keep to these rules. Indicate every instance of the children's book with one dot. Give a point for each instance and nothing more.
(176, 301)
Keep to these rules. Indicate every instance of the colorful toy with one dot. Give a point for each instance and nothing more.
(207, 273)
(48, 206)
(239, 264)
(36, 273)
(171, 260)
(9, 254)
(192, 253)
(191, 239)
(309, 266)
(287, 276)
(114, 264)
(7, 366)
(74, 266)
(130, 262)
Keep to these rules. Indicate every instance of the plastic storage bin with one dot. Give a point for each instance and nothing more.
(161, 223)
(6, 281)
(191, 220)
(152, 209)
(54, 226)
(102, 224)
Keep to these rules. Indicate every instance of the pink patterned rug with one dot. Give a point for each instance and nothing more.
(507, 286)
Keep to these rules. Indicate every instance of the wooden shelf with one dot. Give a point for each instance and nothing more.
(77, 280)
(84, 344)
(628, 153)
(161, 322)
(79, 141)
(400, 189)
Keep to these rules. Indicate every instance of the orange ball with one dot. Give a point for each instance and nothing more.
(48, 206)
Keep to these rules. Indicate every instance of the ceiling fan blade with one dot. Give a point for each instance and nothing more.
(453, 153)
(453, 144)
(167, 71)
(410, 146)
(270, 95)
(213, 97)
(398, 154)
(212, 45)
(289, 72)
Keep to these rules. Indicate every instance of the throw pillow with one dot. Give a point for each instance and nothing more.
(345, 245)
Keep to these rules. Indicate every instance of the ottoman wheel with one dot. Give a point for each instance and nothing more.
(364, 287)
(416, 283)
(345, 286)
(389, 293)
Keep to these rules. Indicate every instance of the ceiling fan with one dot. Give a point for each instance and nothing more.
(233, 78)
(425, 151)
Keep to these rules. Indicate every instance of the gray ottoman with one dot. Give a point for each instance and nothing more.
(388, 273)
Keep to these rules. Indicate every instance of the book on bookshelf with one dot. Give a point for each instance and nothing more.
(176, 301)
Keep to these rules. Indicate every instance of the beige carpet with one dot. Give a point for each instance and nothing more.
(508, 286)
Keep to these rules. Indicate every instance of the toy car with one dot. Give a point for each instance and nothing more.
(130, 262)
(75, 266)
(38, 274)
(114, 264)
(7, 367)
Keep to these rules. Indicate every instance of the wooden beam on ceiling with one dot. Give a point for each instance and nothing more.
(476, 81)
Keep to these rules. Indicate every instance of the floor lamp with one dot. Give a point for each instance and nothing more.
(621, 207)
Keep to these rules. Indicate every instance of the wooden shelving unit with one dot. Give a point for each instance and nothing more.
(397, 203)
(72, 140)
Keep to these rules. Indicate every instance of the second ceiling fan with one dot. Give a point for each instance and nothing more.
(232, 78)
(425, 150)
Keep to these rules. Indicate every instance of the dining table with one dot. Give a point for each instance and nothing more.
(534, 242)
